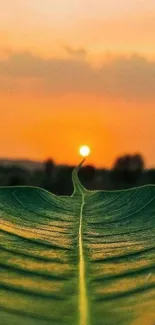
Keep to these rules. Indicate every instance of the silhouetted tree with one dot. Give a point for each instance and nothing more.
(48, 175)
(129, 163)
(126, 170)
(49, 167)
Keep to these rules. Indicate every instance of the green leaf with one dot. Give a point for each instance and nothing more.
(88, 259)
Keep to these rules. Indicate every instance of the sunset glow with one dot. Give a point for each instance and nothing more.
(69, 75)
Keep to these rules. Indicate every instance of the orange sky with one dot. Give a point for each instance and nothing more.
(72, 76)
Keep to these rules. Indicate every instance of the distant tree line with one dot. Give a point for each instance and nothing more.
(127, 171)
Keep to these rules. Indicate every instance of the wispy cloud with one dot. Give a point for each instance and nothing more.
(119, 77)
(79, 53)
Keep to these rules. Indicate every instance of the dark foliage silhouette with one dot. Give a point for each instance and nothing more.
(127, 171)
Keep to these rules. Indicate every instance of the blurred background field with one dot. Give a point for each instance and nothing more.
(127, 171)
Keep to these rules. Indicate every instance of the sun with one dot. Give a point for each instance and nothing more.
(84, 151)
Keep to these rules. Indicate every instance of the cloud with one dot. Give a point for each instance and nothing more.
(77, 53)
(129, 78)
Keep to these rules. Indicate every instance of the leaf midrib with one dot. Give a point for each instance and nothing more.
(83, 301)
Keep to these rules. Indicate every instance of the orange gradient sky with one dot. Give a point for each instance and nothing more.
(73, 73)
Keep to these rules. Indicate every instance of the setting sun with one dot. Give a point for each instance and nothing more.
(84, 151)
